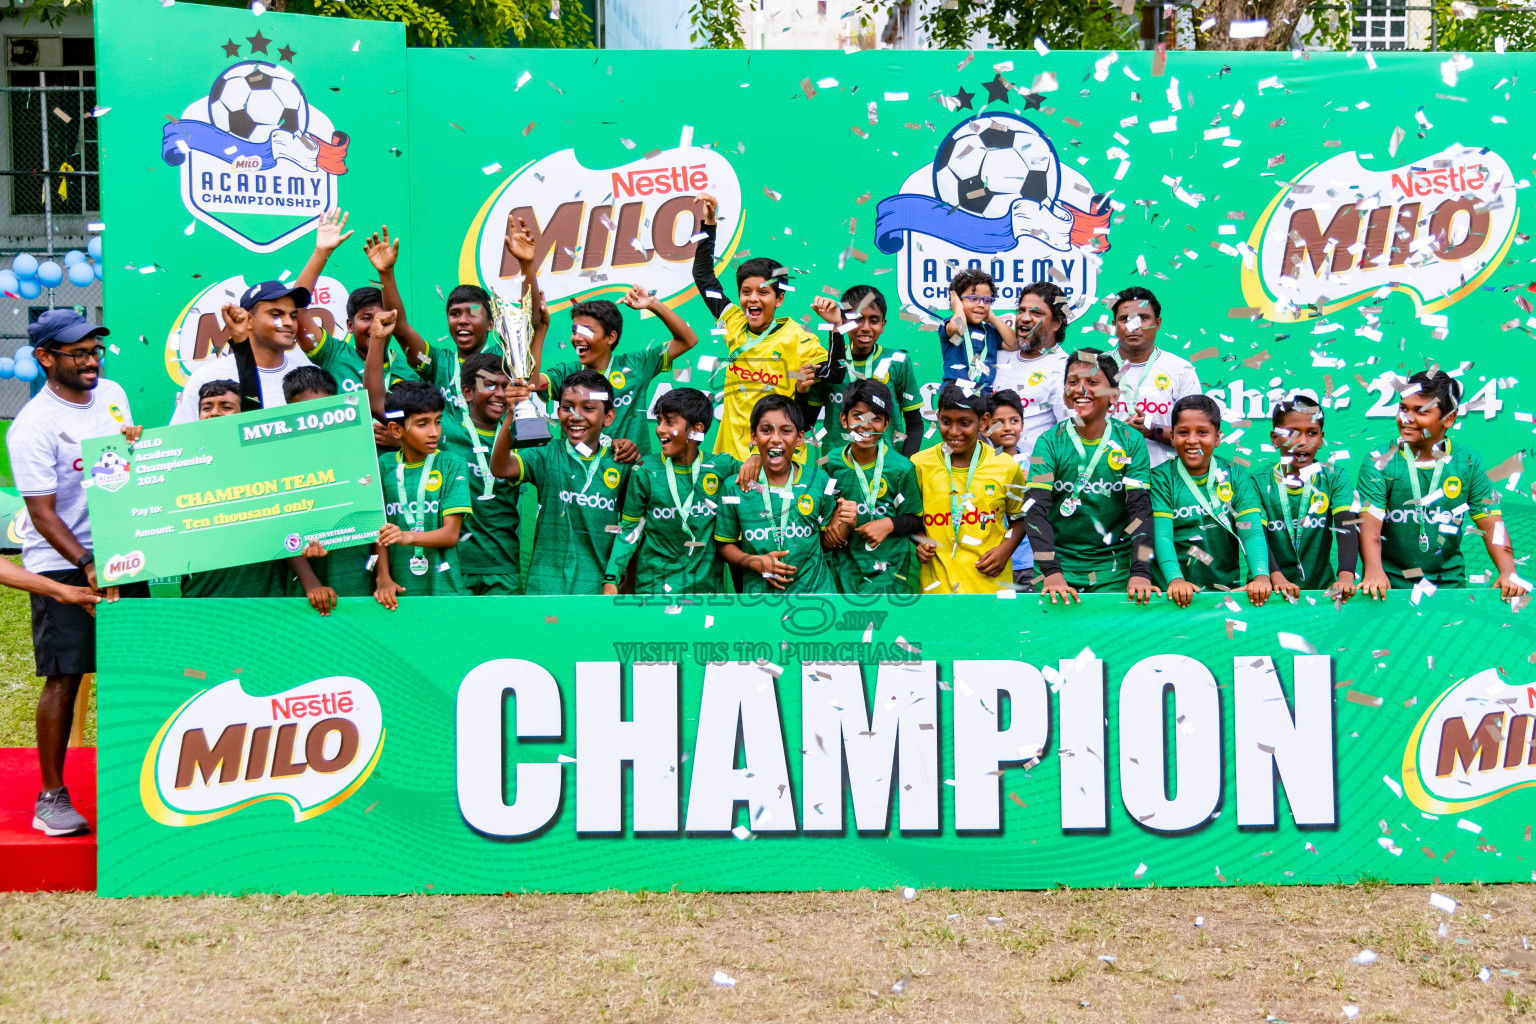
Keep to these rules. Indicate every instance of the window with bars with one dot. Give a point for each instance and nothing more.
(1380, 25)
(64, 95)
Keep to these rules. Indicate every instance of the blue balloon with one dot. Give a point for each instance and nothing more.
(73, 256)
(96, 269)
(29, 288)
(25, 352)
(7, 367)
(8, 282)
(50, 274)
(93, 247)
(81, 274)
(27, 369)
(25, 265)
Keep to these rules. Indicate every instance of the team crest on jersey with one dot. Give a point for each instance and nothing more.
(989, 489)
(1036, 379)
(806, 504)
(616, 378)
(1224, 490)
(711, 483)
(1161, 382)
(434, 480)
(611, 477)
(1319, 504)
(115, 411)
(1452, 486)
(1117, 459)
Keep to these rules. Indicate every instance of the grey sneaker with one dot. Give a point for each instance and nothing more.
(56, 816)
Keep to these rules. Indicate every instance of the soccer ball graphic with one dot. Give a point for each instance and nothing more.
(988, 162)
(252, 99)
(109, 463)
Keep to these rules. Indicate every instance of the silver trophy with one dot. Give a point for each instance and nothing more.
(514, 322)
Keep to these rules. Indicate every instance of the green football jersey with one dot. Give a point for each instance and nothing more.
(445, 492)
(1298, 522)
(631, 374)
(672, 560)
(1235, 496)
(1090, 521)
(339, 355)
(890, 568)
(760, 523)
(578, 516)
(255, 579)
(893, 368)
(442, 369)
(1426, 537)
(488, 544)
(348, 571)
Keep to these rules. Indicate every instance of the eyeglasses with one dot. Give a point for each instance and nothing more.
(81, 355)
(985, 300)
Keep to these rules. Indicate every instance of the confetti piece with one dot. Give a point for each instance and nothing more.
(195, 673)
(522, 80)
(1441, 902)
(807, 88)
(721, 978)
(1364, 957)
(1141, 869)
(528, 129)
(1256, 28)
(1393, 786)
(490, 168)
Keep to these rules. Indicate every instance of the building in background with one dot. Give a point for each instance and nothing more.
(49, 189)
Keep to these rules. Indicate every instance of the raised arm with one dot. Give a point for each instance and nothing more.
(379, 333)
(683, 337)
(710, 289)
(382, 253)
(328, 236)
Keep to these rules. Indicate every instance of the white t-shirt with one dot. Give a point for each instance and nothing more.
(1153, 387)
(44, 444)
(224, 368)
(1039, 383)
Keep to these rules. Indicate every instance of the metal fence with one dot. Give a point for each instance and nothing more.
(49, 172)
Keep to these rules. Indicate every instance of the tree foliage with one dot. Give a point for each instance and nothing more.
(716, 25)
(427, 22)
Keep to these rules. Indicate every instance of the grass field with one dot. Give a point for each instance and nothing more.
(1229, 954)
(1239, 954)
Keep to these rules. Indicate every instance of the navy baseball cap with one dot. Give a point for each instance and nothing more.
(61, 327)
(271, 291)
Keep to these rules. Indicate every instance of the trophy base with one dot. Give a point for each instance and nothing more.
(529, 431)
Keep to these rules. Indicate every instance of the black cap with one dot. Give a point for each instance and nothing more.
(61, 327)
(271, 291)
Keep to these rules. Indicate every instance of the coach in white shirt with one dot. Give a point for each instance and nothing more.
(44, 444)
(263, 349)
(1151, 380)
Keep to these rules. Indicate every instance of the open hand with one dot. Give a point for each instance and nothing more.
(1140, 590)
(1258, 591)
(321, 599)
(381, 251)
(388, 593)
(1057, 587)
(519, 240)
(328, 232)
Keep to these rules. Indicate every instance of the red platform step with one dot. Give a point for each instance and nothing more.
(29, 860)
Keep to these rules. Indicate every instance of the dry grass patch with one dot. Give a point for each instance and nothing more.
(1086, 955)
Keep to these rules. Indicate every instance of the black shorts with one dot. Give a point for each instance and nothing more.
(64, 635)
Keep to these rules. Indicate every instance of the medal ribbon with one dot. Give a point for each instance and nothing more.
(954, 495)
(597, 457)
(417, 522)
(789, 503)
(1293, 527)
(871, 485)
(475, 443)
(683, 506)
(1418, 496)
(1208, 502)
(1085, 474)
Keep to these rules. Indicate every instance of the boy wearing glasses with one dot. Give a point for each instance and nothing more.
(971, 339)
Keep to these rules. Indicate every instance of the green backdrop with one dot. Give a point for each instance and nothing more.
(1199, 157)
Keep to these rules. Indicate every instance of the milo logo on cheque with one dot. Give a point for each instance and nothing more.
(311, 746)
(1472, 745)
(122, 567)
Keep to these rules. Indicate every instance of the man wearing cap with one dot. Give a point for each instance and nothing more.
(263, 349)
(44, 443)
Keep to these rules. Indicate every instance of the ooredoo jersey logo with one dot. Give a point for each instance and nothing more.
(258, 161)
(997, 197)
(311, 747)
(597, 231)
(1471, 746)
(1434, 229)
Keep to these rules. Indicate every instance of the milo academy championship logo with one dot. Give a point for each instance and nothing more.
(996, 197)
(259, 163)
